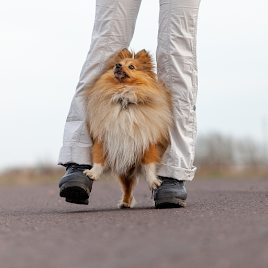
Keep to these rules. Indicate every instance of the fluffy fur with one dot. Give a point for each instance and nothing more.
(128, 113)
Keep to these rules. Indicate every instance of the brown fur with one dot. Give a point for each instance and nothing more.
(97, 153)
(127, 185)
(129, 112)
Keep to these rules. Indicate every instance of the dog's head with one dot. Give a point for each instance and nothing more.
(128, 66)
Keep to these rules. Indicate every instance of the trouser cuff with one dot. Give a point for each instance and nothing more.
(177, 173)
(75, 154)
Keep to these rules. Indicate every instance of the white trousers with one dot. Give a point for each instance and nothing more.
(176, 66)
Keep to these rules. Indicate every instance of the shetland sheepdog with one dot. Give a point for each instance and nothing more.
(128, 114)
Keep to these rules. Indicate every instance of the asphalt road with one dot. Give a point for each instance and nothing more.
(225, 224)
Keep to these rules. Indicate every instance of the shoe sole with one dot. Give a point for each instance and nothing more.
(170, 202)
(75, 192)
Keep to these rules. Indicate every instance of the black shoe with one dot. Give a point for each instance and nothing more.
(170, 194)
(74, 185)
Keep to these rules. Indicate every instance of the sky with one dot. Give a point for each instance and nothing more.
(44, 44)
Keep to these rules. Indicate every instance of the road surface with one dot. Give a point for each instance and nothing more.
(225, 224)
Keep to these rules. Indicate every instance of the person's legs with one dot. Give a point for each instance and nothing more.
(177, 68)
(113, 30)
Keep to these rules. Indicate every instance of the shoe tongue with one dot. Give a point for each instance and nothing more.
(78, 167)
(82, 167)
(169, 180)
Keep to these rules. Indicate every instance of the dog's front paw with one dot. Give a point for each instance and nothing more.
(95, 172)
(91, 174)
(154, 184)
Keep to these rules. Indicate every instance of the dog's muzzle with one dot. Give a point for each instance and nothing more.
(118, 71)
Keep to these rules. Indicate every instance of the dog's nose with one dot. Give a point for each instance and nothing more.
(118, 65)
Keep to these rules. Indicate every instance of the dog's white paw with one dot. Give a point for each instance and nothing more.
(95, 172)
(150, 175)
(92, 174)
(154, 184)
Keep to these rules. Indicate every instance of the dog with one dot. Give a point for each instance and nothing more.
(128, 115)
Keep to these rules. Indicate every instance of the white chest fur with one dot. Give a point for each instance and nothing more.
(126, 137)
(126, 125)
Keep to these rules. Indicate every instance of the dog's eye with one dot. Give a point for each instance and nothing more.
(131, 67)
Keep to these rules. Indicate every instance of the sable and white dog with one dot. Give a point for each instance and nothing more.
(128, 113)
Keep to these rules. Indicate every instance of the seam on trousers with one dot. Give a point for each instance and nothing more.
(169, 59)
(194, 85)
(80, 133)
(169, 44)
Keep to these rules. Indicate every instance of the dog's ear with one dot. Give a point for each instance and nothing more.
(141, 53)
(144, 57)
(117, 57)
(122, 54)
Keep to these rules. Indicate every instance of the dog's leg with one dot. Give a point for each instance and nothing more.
(150, 158)
(127, 184)
(98, 162)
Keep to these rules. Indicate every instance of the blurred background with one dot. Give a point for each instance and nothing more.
(44, 45)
